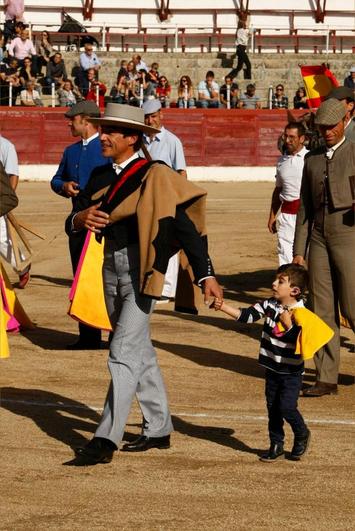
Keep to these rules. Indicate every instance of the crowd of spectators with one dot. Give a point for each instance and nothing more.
(36, 70)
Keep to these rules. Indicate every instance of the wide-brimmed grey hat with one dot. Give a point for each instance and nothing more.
(120, 115)
(352, 69)
(330, 112)
(87, 107)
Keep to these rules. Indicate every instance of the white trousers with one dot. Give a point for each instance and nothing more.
(171, 275)
(286, 224)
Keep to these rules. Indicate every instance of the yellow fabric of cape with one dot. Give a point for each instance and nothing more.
(4, 344)
(315, 333)
(14, 304)
(88, 302)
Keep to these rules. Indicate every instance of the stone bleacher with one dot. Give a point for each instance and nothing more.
(267, 69)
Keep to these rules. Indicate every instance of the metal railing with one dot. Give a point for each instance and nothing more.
(109, 31)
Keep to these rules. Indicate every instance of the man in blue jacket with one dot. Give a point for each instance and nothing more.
(73, 173)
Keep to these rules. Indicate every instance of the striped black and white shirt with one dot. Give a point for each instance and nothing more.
(277, 349)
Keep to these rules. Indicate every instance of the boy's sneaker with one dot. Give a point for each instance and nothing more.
(300, 446)
(276, 451)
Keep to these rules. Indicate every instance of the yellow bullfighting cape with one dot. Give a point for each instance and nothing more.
(158, 196)
(314, 334)
(13, 316)
(87, 303)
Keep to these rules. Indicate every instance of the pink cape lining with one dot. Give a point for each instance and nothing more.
(80, 264)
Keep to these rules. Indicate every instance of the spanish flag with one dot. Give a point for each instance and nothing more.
(318, 82)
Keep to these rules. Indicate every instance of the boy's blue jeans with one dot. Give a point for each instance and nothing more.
(282, 392)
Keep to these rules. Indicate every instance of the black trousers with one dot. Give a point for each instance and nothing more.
(243, 59)
(90, 336)
(282, 392)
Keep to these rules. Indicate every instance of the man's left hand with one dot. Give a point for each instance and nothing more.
(211, 288)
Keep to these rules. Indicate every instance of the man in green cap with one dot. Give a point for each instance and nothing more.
(325, 225)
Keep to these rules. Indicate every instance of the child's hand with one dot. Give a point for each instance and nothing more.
(217, 304)
(286, 319)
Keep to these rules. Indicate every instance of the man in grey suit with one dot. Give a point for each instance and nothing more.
(118, 202)
(325, 222)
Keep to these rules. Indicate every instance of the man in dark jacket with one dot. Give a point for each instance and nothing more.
(75, 168)
(325, 223)
(139, 240)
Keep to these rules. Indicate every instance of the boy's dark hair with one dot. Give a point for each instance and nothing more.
(297, 275)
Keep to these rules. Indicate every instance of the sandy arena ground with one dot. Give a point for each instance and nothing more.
(211, 477)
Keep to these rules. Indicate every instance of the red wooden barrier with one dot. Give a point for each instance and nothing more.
(212, 137)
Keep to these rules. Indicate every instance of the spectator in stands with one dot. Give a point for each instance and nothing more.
(30, 97)
(154, 74)
(1, 46)
(131, 71)
(119, 92)
(300, 99)
(279, 100)
(22, 47)
(349, 81)
(249, 100)
(44, 50)
(243, 59)
(123, 69)
(27, 72)
(186, 93)
(208, 92)
(163, 91)
(139, 63)
(56, 71)
(68, 95)
(89, 90)
(9, 73)
(141, 88)
(233, 90)
(89, 59)
(14, 10)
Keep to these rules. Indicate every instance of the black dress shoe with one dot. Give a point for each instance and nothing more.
(98, 450)
(300, 446)
(144, 443)
(321, 389)
(276, 451)
(83, 345)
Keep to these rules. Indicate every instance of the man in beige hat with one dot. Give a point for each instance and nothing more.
(325, 221)
(139, 240)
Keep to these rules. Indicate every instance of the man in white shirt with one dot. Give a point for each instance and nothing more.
(89, 59)
(208, 92)
(8, 158)
(22, 47)
(140, 64)
(243, 59)
(167, 147)
(286, 193)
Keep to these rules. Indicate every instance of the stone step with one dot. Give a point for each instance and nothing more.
(267, 69)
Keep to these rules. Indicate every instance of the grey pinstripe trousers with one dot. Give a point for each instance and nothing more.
(132, 359)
